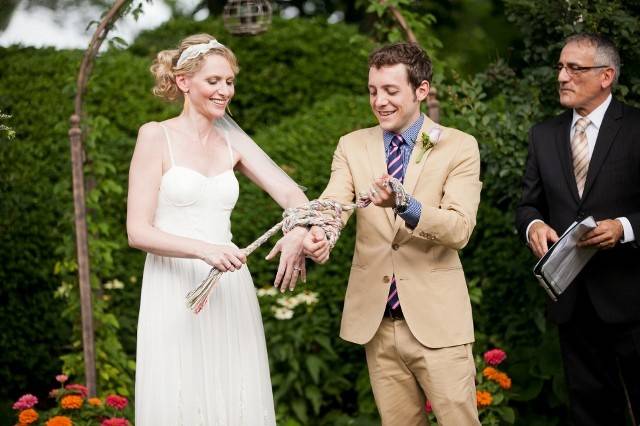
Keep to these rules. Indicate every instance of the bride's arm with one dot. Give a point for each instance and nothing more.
(287, 194)
(145, 174)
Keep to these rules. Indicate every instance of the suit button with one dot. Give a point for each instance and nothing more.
(395, 246)
(386, 279)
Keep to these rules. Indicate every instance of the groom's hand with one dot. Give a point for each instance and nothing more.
(316, 246)
(381, 194)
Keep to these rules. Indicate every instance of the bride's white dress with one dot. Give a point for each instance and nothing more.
(209, 369)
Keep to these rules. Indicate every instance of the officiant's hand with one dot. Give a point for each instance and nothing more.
(316, 246)
(381, 194)
(291, 265)
(605, 236)
(540, 235)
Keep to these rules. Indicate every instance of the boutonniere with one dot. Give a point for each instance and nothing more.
(428, 141)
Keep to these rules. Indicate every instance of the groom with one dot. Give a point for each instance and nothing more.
(407, 298)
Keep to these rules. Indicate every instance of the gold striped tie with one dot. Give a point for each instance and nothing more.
(580, 152)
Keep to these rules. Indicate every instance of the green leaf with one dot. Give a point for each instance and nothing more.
(314, 365)
(315, 396)
(299, 407)
(507, 414)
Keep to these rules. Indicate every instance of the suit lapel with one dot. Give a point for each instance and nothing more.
(378, 161)
(563, 144)
(606, 135)
(414, 170)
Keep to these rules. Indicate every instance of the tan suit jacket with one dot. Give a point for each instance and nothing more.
(430, 280)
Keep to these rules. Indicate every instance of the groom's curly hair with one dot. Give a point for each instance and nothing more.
(414, 57)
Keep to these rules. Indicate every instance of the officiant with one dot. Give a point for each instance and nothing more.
(586, 162)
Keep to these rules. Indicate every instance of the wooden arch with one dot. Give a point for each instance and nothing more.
(79, 199)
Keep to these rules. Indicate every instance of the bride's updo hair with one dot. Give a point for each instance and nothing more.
(165, 68)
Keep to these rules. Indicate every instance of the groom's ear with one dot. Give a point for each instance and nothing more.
(422, 91)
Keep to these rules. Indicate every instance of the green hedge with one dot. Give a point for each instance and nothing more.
(34, 197)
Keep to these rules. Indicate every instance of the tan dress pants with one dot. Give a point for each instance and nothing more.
(403, 373)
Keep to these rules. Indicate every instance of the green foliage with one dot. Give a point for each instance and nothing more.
(34, 332)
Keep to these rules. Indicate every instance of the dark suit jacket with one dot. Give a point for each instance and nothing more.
(612, 189)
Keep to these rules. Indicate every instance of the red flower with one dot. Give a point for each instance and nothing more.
(26, 401)
(82, 390)
(494, 356)
(115, 421)
(427, 407)
(116, 401)
(62, 378)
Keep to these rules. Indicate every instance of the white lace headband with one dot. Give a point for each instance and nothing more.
(196, 50)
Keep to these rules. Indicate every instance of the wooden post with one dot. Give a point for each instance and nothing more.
(79, 200)
(82, 251)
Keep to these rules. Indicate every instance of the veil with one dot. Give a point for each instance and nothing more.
(253, 157)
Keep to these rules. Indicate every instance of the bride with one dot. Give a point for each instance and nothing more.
(208, 369)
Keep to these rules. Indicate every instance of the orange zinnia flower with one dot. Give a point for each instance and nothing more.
(71, 402)
(490, 373)
(59, 421)
(504, 381)
(484, 398)
(28, 416)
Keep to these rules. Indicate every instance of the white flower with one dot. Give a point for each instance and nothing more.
(282, 313)
(289, 302)
(114, 284)
(270, 291)
(64, 290)
(307, 297)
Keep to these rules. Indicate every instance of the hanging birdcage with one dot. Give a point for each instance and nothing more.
(247, 16)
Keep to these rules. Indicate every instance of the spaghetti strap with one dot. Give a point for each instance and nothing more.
(226, 139)
(166, 133)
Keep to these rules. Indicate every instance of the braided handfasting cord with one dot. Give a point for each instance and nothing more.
(325, 214)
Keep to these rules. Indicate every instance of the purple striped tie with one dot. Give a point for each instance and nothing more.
(395, 168)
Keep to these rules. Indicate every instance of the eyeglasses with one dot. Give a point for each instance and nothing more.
(573, 69)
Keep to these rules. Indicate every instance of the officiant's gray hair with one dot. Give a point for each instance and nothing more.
(606, 51)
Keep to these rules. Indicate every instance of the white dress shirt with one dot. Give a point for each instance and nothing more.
(595, 118)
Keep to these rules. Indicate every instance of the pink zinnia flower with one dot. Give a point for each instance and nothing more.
(62, 378)
(116, 401)
(427, 407)
(82, 390)
(494, 356)
(115, 421)
(26, 401)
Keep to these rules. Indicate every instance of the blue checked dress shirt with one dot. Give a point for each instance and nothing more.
(414, 209)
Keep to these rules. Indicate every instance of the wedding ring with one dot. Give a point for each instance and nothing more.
(297, 268)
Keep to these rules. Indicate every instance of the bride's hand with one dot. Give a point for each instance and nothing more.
(223, 258)
(291, 265)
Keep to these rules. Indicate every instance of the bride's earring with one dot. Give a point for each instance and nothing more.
(229, 111)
